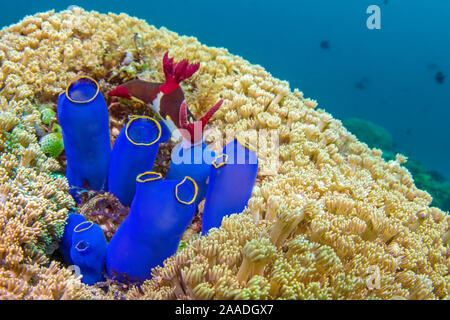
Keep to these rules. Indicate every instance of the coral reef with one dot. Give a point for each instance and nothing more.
(337, 221)
(374, 135)
(432, 182)
(378, 137)
(34, 203)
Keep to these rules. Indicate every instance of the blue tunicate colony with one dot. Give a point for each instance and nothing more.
(160, 208)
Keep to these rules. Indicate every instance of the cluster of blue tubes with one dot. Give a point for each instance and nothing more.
(160, 208)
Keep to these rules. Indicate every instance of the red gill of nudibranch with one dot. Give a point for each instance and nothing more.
(163, 98)
(176, 72)
(193, 131)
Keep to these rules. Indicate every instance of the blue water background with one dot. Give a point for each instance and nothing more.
(397, 63)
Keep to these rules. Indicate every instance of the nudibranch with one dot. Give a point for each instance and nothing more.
(231, 180)
(84, 120)
(160, 213)
(88, 251)
(192, 156)
(163, 98)
(134, 152)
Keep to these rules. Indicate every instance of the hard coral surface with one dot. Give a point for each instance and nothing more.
(335, 222)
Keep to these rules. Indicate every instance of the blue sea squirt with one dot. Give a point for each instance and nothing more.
(88, 251)
(72, 221)
(160, 213)
(134, 152)
(231, 181)
(84, 120)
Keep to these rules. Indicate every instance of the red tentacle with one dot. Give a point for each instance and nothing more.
(184, 124)
(176, 72)
(190, 127)
(167, 64)
(180, 67)
(210, 113)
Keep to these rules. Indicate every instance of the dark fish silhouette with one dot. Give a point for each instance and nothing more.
(362, 84)
(439, 77)
(325, 44)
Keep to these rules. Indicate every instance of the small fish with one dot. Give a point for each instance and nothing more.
(362, 83)
(439, 77)
(325, 44)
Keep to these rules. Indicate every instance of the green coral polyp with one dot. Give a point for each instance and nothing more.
(47, 115)
(56, 128)
(52, 144)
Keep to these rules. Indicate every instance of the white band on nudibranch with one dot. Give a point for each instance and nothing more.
(154, 106)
